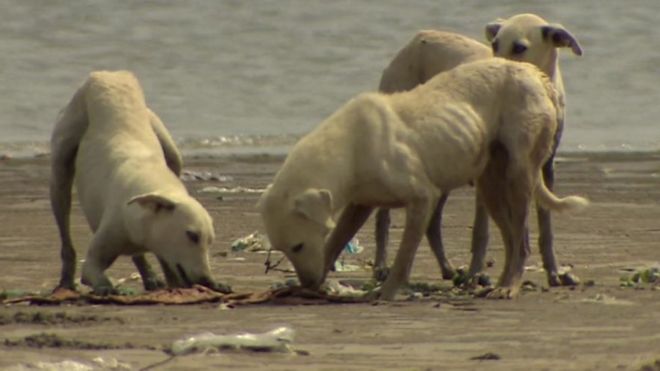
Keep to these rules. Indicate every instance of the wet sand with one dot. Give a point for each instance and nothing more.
(595, 326)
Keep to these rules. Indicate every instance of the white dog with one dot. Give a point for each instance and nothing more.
(523, 37)
(126, 169)
(491, 120)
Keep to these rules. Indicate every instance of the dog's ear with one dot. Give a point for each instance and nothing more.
(560, 37)
(315, 205)
(154, 202)
(493, 28)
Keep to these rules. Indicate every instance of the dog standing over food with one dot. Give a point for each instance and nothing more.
(523, 37)
(491, 120)
(125, 166)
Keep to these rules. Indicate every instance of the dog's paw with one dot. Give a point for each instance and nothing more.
(499, 293)
(380, 273)
(448, 272)
(563, 279)
(153, 284)
(568, 279)
(104, 290)
(222, 288)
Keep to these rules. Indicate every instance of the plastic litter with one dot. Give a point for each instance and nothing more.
(276, 340)
(191, 175)
(640, 276)
(97, 363)
(341, 266)
(239, 189)
(353, 247)
(335, 287)
(254, 242)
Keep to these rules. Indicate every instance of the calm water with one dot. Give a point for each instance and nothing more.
(251, 76)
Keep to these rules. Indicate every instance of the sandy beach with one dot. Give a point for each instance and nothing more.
(597, 325)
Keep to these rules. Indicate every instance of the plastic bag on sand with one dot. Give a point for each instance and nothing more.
(277, 340)
(70, 365)
(254, 242)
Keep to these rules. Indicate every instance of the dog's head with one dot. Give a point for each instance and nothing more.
(179, 231)
(529, 38)
(297, 225)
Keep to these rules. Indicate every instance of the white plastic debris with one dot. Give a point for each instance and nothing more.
(353, 247)
(277, 340)
(341, 266)
(335, 287)
(97, 363)
(254, 242)
(239, 189)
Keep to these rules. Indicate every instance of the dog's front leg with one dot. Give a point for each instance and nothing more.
(351, 220)
(149, 279)
(382, 237)
(418, 214)
(100, 256)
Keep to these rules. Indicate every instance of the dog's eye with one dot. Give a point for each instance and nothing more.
(518, 48)
(496, 46)
(297, 248)
(193, 236)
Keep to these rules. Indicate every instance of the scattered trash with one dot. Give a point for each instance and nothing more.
(334, 287)
(291, 282)
(192, 175)
(462, 279)
(239, 189)
(66, 365)
(254, 242)
(341, 266)
(97, 363)
(607, 300)
(487, 357)
(353, 247)
(641, 276)
(274, 266)
(529, 286)
(277, 340)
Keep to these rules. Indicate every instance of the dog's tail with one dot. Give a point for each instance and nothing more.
(550, 201)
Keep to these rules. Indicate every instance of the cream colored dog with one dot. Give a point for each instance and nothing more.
(491, 120)
(523, 37)
(126, 169)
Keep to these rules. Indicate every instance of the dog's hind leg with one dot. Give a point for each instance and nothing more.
(382, 237)
(434, 236)
(418, 214)
(351, 220)
(69, 129)
(546, 236)
(512, 219)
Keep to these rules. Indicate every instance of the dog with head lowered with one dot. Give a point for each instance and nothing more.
(125, 166)
(493, 121)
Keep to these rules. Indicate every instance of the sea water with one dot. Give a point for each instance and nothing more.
(252, 76)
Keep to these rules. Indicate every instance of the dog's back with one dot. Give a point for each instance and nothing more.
(457, 114)
(119, 154)
(427, 54)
